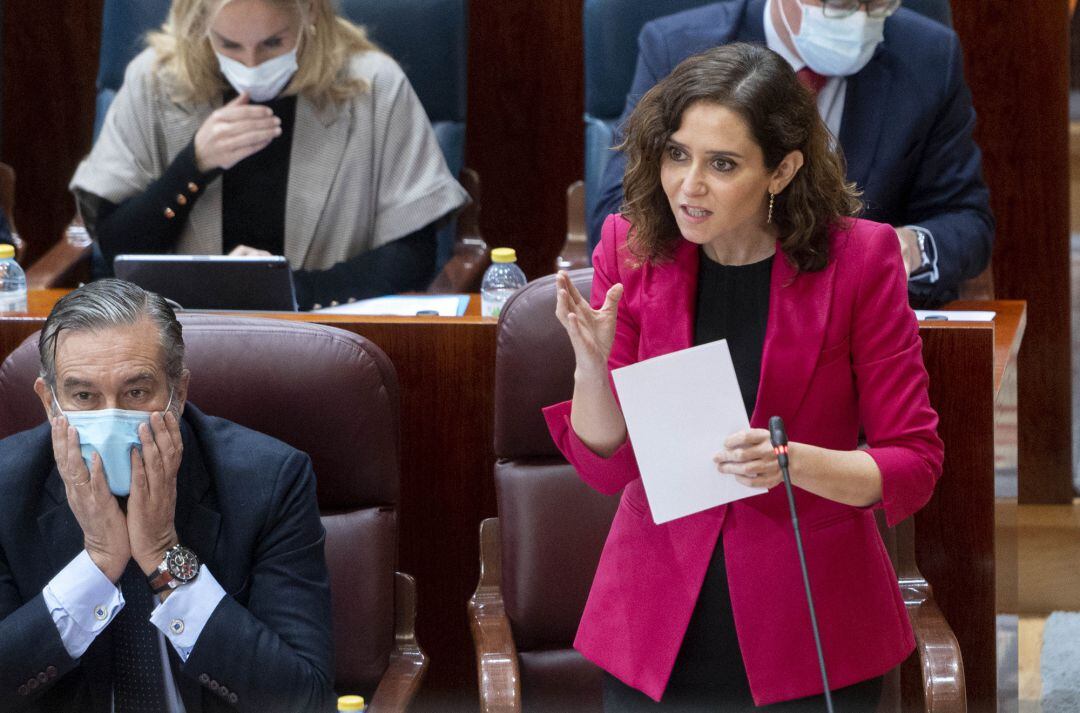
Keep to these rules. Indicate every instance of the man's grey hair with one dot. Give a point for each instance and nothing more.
(112, 303)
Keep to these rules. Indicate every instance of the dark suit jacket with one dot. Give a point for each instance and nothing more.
(906, 130)
(246, 505)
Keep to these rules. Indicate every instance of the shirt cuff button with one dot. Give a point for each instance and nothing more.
(101, 613)
(176, 626)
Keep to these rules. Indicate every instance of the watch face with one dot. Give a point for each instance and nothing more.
(182, 563)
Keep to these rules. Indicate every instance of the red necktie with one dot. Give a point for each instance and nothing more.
(811, 80)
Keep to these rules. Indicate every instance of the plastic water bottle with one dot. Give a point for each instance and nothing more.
(12, 282)
(501, 280)
(351, 703)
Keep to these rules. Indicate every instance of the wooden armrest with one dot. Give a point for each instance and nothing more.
(65, 264)
(496, 654)
(575, 251)
(942, 667)
(408, 662)
(465, 269)
(20, 246)
(936, 663)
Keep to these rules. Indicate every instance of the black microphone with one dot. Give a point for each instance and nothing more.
(778, 436)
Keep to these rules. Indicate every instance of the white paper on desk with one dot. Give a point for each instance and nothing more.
(954, 315)
(404, 306)
(679, 408)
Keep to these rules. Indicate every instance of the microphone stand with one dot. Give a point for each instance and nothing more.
(778, 436)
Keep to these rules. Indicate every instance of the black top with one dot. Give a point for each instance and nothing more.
(254, 196)
(254, 190)
(733, 304)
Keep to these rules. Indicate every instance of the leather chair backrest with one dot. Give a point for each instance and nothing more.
(430, 40)
(611, 29)
(124, 24)
(327, 392)
(552, 525)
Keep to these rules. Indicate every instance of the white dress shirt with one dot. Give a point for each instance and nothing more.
(83, 602)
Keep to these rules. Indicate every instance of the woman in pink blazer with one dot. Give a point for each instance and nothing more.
(738, 224)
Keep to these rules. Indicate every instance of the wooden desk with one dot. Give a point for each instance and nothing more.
(954, 533)
(446, 370)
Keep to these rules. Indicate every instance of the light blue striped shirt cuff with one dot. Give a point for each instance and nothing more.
(82, 602)
(182, 617)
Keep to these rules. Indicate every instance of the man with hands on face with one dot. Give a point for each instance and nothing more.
(152, 558)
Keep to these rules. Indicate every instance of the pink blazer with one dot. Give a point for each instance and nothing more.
(842, 351)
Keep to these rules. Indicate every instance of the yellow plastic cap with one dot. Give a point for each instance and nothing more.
(350, 703)
(8, 251)
(503, 255)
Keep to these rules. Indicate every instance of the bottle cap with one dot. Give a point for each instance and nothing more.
(503, 255)
(350, 703)
(8, 251)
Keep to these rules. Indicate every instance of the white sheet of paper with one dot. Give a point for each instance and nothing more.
(954, 315)
(679, 408)
(404, 305)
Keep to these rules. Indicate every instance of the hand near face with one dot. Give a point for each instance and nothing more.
(234, 132)
(151, 507)
(105, 532)
(591, 331)
(245, 251)
(909, 249)
(748, 455)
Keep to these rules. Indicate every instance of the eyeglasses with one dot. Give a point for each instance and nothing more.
(838, 9)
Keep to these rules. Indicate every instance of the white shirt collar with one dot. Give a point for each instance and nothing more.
(777, 45)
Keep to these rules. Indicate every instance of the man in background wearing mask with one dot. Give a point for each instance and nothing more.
(889, 84)
(152, 558)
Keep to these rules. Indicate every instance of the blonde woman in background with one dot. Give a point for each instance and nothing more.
(252, 127)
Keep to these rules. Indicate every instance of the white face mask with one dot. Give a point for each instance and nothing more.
(836, 47)
(263, 81)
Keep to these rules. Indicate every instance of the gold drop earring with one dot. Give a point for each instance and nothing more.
(772, 199)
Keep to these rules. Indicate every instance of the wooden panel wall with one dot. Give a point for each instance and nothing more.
(50, 54)
(525, 128)
(1017, 64)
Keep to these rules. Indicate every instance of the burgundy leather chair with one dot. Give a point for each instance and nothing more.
(333, 395)
(538, 557)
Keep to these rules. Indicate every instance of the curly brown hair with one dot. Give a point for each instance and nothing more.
(759, 86)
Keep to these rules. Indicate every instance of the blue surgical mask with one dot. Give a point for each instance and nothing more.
(836, 46)
(110, 433)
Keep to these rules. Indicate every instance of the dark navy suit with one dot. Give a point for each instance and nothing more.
(246, 506)
(906, 130)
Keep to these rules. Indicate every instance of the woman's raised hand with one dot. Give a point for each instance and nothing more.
(591, 331)
(234, 132)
